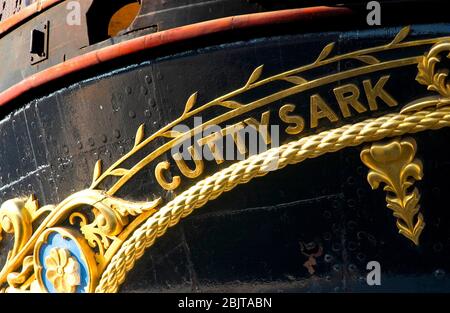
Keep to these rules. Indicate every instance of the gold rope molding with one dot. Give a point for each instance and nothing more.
(390, 125)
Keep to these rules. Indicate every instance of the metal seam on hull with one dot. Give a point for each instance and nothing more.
(162, 38)
(37, 170)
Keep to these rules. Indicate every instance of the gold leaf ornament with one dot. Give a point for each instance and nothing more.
(431, 74)
(255, 75)
(190, 103)
(139, 135)
(368, 59)
(401, 35)
(97, 170)
(119, 172)
(325, 52)
(172, 134)
(394, 165)
(297, 80)
(230, 104)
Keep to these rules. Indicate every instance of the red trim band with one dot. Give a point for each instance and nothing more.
(162, 38)
(25, 13)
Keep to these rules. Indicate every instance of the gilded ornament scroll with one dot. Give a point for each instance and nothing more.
(91, 239)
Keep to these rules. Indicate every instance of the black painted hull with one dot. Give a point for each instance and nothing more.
(309, 227)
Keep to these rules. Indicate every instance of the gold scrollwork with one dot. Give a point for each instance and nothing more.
(298, 84)
(104, 232)
(294, 152)
(117, 231)
(430, 75)
(394, 165)
(434, 75)
(16, 216)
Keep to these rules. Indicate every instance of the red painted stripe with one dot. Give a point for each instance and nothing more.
(25, 13)
(162, 38)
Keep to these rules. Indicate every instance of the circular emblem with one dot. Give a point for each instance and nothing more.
(64, 263)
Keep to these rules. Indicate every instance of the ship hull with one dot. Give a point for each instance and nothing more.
(301, 208)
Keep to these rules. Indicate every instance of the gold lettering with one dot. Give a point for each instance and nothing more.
(163, 166)
(184, 168)
(233, 130)
(211, 142)
(298, 123)
(320, 109)
(262, 127)
(351, 99)
(372, 93)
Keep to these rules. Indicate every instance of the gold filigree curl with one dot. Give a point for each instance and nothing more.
(111, 223)
(429, 72)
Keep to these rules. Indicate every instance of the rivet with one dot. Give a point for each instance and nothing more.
(336, 267)
(351, 203)
(352, 246)
(439, 273)
(328, 258)
(437, 247)
(148, 79)
(131, 114)
(116, 133)
(114, 104)
(128, 90)
(361, 257)
(352, 268)
(151, 103)
(336, 247)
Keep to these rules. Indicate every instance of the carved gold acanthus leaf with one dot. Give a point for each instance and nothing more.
(432, 73)
(103, 220)
(394, 164)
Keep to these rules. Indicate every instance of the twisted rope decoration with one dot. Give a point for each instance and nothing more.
(390, 125)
